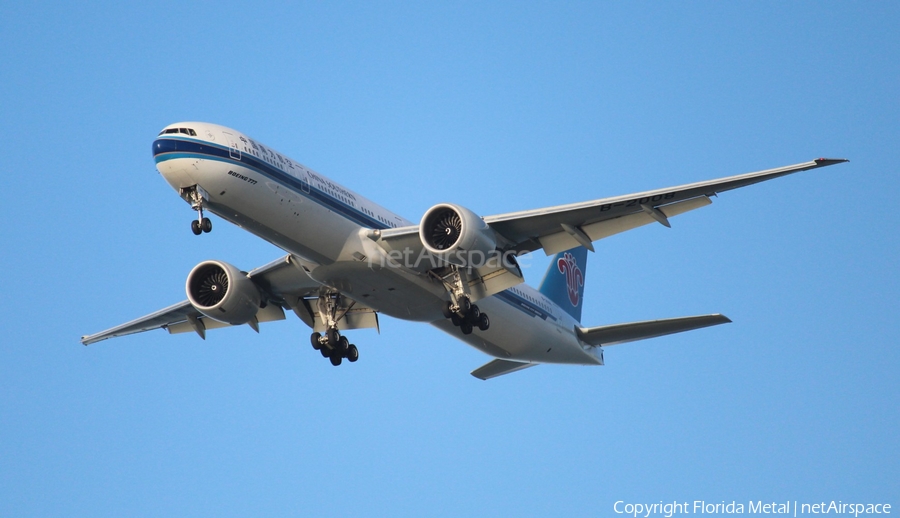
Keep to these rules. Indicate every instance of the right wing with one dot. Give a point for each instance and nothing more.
(563, 227)
(622, 333)
(287, 286)
(560, 228)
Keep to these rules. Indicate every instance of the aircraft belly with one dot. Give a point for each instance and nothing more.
(516, 335)
(273, 212)
(391, 291)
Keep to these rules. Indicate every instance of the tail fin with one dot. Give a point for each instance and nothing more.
(564, 281)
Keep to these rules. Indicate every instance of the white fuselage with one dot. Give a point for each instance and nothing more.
(329, 228)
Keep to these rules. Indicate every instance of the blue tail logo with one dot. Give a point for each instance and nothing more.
(574, 276)
(564, 281)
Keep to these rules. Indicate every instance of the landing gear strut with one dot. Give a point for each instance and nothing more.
(459, 309)
(195, 197)
(331, 344)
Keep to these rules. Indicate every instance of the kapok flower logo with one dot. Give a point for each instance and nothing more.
(574, 277)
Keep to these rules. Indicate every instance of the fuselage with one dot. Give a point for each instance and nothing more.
(329, 228)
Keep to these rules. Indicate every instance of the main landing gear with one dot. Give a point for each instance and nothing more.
(195, 197)
(331, 344)
(467, 317)
(334, 346)
(459, 309)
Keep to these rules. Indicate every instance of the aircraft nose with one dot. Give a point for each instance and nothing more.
(163, 146)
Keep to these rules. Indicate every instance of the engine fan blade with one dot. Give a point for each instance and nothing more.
(447, 230)
(213, 288)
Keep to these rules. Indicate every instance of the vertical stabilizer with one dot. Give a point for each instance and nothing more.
(564, 281)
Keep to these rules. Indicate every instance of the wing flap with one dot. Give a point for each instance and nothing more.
(562, 241)
(622, 333)
(270, 313)
(499, 368)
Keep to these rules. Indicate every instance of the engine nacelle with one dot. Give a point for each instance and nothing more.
(221, 292)
(457, 235)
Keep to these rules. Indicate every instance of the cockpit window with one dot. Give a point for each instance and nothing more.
(185, 131)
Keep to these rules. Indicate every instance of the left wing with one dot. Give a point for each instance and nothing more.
(285, 284)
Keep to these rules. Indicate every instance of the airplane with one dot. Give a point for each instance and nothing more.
(349, 259)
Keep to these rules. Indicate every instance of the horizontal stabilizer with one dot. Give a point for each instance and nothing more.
(499, 368)
(621, 333)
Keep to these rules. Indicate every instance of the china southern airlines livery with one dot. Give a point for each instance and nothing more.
(349, 259)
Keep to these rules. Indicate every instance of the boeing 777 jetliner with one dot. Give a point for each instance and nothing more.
(348, 259)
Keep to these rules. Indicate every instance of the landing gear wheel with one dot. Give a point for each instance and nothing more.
(206, 225)
(195, 227)
(484, 322)
(315, 340)
(455, 319)
(474, 314)
(466, 327)
(343, 346)
(333, 336)
(464, 305)
(448, 313)
(352, 353)
(336, 358)
(325, 352)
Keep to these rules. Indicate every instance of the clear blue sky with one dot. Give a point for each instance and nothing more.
(499, 107)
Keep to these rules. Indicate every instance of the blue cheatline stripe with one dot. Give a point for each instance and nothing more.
(524, 305)
(170, 148)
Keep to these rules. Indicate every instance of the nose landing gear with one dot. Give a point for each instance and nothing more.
(201, 225)
(195, 197)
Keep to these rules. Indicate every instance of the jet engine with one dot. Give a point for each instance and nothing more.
(457, 235)
(220, 291)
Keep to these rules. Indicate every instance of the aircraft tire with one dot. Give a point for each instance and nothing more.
(336, 359)
(352, 353)
(206, 225)
(333, 336)
(484, 322)
(446, 309)
(466, 327)
(315, 340)
(195, 227)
